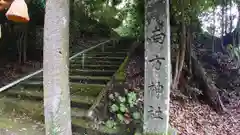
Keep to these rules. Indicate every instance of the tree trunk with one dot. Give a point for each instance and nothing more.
(19, 45)
(174, 82)
(222, 26)
(238, 26)
(182, 52)
(189, 51)
(238, 22)
(231, 18)
(226, 18)
(55, 68)
(214, 29)
(210, 91)
(25, 43)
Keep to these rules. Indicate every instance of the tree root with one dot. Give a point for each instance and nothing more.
(209, 90)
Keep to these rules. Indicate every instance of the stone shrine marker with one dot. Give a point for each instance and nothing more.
(157, 67)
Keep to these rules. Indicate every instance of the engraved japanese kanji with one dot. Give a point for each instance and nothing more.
(157, 62)
(155, 113)
(157, 88)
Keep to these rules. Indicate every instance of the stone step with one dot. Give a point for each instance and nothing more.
(85, 85)
(105, 52)
(90, 72)
(82, 90)
(74, 87)
(82, 79)
(76, 100)
(91, 79)
(35, 110)
(39, 84)
(91, 61)
(93, 72)
(88, 127)
(91, 58)
(11, 124)
(109, 49)
(113, 54)
(105, 67)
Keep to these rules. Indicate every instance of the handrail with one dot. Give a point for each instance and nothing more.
(86, 50)
(40, 70)
(103, 93)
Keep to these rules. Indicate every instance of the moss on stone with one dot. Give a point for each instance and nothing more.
(39, 94)
(87, 124)
(120, 74)
(106, 61)
(84, 86)
(33, 109)
(78, 89)
(82, 77)
(97, 66)
(171, 131)
(19, 125)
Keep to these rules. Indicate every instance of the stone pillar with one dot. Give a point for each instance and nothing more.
(157, 67)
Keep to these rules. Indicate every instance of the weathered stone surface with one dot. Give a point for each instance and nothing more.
(157, 67)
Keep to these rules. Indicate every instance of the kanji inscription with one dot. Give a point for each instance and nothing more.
(157, 67)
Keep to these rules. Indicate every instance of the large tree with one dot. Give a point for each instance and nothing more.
(55, 68)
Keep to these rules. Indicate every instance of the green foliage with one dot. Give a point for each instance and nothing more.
(191, 11)
(124, 109)
(233, 52)
(191, 8)
(133, 24)
(129, 20)
(102, 11)
(120, 76)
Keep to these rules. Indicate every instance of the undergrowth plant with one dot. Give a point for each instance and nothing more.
(233, 52)
(126, 110)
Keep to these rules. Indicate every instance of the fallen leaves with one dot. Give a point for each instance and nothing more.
(12, 71)
(194, 118)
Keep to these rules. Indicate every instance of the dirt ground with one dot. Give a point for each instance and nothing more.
(194, 118)
(10, 71)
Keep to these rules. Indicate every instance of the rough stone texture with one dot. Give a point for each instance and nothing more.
(157, 67)
(55, 68)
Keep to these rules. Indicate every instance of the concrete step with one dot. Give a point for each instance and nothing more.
(112, 54)
(105, 52)
(76, 100)
(88, 127)
(35, 110)
(39, 84)
(91, 89)
(92, 58)
(110, 49)
(93, 72)
(89, 72)
(81, 79)
(85, 85)
(105, 67)
(91, 61)
(82, 90)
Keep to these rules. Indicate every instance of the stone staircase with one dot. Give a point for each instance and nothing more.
(86, 82)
